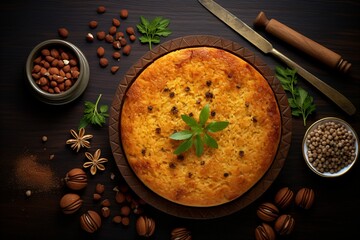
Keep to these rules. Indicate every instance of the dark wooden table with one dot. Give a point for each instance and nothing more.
(24, 120)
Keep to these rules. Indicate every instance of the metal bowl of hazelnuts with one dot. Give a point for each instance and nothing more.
(330, 147)
(57, 71)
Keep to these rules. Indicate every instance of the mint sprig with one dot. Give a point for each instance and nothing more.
(93, 114)
(198, 135)
(301, 103)
(153, 30)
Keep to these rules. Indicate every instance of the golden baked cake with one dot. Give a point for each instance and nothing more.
(183, 82)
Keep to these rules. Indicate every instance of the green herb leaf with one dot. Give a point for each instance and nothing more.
(204, 115)
(198, 135)
(183, 147)
(211, 142)
(217, 126)
(199, 145)
(301, 102)
(93, 115)
(153, 30)
(185, 134)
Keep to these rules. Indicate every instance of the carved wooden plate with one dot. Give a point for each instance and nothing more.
(199, 212)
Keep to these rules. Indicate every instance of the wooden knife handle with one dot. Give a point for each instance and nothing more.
(302, 43)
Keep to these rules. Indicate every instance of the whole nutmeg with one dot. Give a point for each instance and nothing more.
(284, 225)
(76, 179)
(145, 226)
(304, 198)
(284, 197)
(70, 203)
(267, 212)
(180, 233)
(264, 232)
(90, 221)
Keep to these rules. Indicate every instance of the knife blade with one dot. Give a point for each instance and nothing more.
(265, 46)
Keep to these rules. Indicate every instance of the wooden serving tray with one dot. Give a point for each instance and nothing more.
(199, 212)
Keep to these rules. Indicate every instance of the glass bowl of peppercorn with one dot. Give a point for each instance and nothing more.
(330, 147)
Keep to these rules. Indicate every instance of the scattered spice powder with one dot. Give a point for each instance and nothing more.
(32, 174)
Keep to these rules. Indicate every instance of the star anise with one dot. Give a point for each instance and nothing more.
(79, 140)
(95, 162)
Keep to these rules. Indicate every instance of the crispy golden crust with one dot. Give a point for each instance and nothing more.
(182, 82)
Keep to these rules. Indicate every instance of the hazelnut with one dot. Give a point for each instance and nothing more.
(267, 212)
(132, 38)
(90, 221)
(93, 24)
(105, 203)
(101, 9)
(101, 35)
(89, 37)
(70, 203)
(105, 211)
(125, 221)
(284, 197)
(63, 32)
(76, 179)
(116, 55)
(125, 210)
(130, 30)
(284, 225)
(109, 38)
(96, 197)
(116, 219)
(264, 232)
(127, 50)
(100, 52)
(114, 69)
(119, 35)
(103, 62)
(124, 13)
(100, 188)
(116, 45)
(180, 233)
(145, 226)
(120, 197)
(115, 22)
(112, 30)
(305, 198)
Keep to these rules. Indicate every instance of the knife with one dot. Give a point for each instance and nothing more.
(265, 46)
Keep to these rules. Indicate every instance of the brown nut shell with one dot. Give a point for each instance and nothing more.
(284, 225)
(145, 226)
(90, 221)
(264, 232)
(305, 198)
(180, 233)
(70, 203)
(284, 197)
(76, 179)
(267, 212)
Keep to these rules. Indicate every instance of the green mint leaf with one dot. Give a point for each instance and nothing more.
(204, 115)
(163, 33)
(199, 145)
(144, 21)
(152, 30)
(303, 95)
(185, 134)
(209, 141)
(93, 115)
(144, 39)
(217, 126)
(183, 147)
(190, 121)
